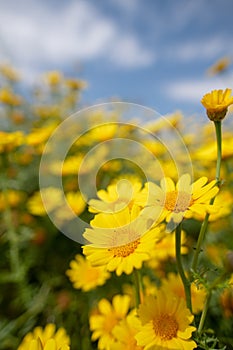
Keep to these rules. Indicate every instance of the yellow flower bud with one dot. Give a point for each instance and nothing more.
(216, 103)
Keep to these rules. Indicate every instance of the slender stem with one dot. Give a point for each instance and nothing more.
(185, 281)
(137, 287)
(213, 285)
(218, 132)
(204, 312)
(199, 242)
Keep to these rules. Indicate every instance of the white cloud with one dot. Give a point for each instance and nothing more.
(191, 90)
(33, 32)
(128, 52)
(204, 48)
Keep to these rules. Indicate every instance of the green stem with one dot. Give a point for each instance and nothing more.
(199, 242)
(208, 298)
(218, 132)
(204, 312)
(137, 287)
(185, 281)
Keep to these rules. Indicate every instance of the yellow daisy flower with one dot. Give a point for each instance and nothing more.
(174, 284)
(46, 339)
(216, 103)
(35, 344)
(124, 333)
(124, 242)
(184, 199)
(108, 316)
(84, 276)
(115, 197)
(165, 323)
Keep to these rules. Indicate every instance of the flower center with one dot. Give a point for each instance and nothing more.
(125, 250)
(165, 326)
(178, 201)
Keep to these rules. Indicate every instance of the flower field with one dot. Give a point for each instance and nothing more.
(115, 231)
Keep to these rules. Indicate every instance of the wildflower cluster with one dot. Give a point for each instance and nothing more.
(154, 270)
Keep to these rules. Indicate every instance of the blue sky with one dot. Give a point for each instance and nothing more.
(151, 52)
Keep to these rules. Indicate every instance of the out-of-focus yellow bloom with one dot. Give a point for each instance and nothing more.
(84, 276)
(216, 103)
(10, 140)
(165, 323)
(108, 316)
(165, 122)
(48, 111)
(9, 72)
(7, 97)
(70, 166)
(11, 198)
(75, 84)
(112, 165)
(53, 78)
(115, 197)
(53, 197)
(125, 332)
(103, 132)
(17, 117)
(40, 135)
(25, 157)
(226, 299)
(207, 152)
(154, 147)
(219, 66)
(174, 284)
(164, 249)
(46, 339)
(216, 253)
(224, 202)
(76, 201)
